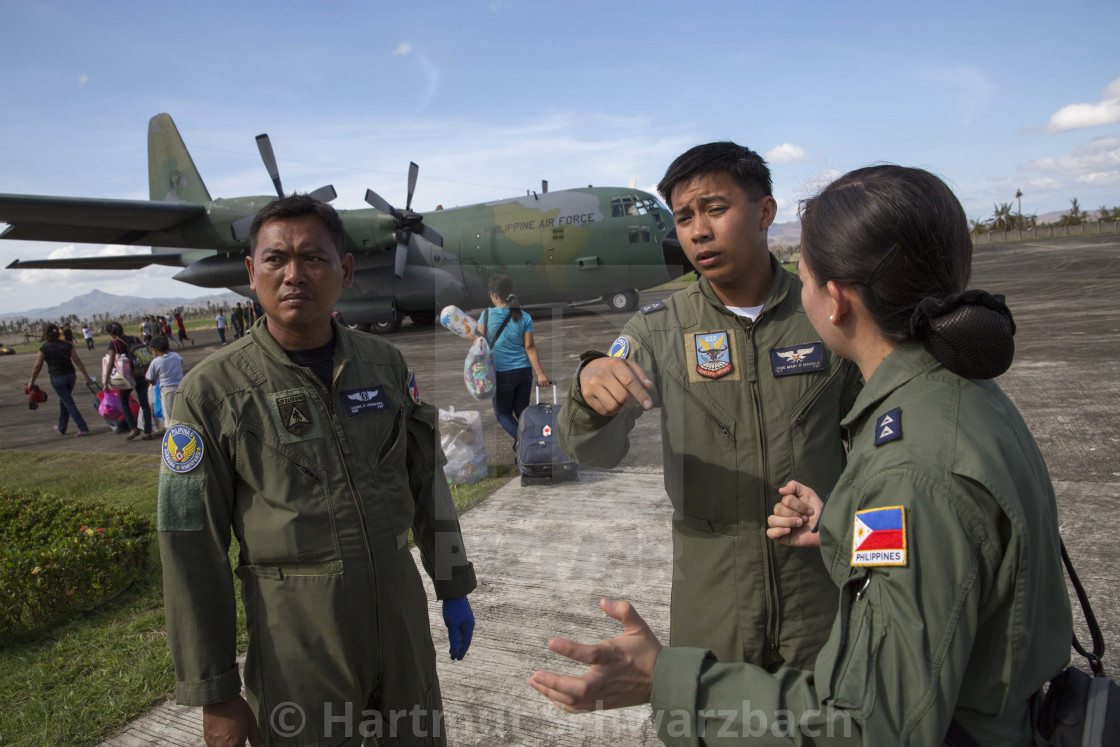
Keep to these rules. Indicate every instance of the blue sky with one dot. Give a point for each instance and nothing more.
(490, 97)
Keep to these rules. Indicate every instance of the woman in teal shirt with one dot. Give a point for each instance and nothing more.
(509, 331)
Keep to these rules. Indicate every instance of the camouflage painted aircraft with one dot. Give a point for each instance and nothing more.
(573, 245)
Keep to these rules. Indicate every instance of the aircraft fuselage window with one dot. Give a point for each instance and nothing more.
(633, 234)
(558, 234)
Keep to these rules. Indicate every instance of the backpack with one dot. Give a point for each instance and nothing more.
(1078, 709)
(142, 357)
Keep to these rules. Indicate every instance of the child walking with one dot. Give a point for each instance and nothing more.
(167, 369)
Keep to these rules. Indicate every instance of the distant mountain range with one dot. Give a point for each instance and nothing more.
(97, 302)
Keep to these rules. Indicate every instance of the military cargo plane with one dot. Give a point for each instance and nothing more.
(572, 245)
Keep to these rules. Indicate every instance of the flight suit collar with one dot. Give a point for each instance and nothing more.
(779, 289)
(344, 348)
(906, 362)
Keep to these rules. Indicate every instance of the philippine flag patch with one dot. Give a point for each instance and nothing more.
(879, 537)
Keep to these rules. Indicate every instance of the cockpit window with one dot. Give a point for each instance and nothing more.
(631, 205)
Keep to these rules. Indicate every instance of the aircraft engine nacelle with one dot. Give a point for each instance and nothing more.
(220, 271)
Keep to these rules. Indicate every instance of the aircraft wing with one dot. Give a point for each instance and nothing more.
(93, 221)
(111, 262)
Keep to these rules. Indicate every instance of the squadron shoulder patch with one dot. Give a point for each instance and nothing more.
(182, 448)
(413, 389)
(797, 359)
(888, 427)
(879, 537)
(649, 308)
(620, 348)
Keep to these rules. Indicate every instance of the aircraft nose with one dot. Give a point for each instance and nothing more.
(676, 263)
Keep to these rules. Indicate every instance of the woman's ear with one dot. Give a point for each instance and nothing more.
(841, 296)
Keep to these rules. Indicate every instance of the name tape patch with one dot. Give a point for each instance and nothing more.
(888, 427)
(182, 448)
(879, 537)
(797, 359)
(369, 399)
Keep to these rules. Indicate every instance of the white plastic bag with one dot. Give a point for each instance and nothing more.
(478, 370)
(463, 445)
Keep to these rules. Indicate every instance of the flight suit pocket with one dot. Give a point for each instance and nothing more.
(816, 455)
(283, 512)
(846, 668)
(308, 646)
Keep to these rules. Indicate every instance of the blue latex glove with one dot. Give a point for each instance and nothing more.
(459, 619)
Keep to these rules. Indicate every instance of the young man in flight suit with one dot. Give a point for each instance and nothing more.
(750, 398)
(309, 442)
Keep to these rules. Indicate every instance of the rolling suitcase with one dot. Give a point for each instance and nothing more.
(539, 457)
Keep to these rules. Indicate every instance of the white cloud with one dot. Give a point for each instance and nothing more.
(1094, 164)
(1076, 116)
(82, 79)
(968, 86)
(402, 49)
(785, 153)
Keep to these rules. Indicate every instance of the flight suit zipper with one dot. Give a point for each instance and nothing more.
(773, 621)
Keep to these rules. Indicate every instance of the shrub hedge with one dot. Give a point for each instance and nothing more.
(59, 558)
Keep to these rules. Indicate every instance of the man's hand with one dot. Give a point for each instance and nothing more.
(230, 723)
(621, 671)
(459, 619)
(795, 517)
(611, 384)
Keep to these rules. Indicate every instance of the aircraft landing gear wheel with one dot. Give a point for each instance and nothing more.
(362, 327)
(387, 328)
(626, 300)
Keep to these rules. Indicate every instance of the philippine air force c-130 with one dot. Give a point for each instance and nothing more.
(572, 245)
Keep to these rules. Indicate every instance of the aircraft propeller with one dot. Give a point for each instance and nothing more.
(407, 222)
(241, 226)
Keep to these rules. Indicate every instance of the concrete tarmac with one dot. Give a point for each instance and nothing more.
(608, 534)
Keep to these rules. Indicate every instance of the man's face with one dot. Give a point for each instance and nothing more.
(721, 229)
(298, 274)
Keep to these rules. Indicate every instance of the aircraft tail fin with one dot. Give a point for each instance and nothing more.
(172, 176)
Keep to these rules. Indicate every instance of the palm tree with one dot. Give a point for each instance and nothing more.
(1002, 220)
(1075, 217)
(978, 226)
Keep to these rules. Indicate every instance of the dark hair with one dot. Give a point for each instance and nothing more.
(160, 343)
(50, 332)
(746, 167)
(114, 328)
(502, 287)
(297, 206)
(900, 238)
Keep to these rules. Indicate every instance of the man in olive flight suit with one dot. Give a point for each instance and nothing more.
(310, 443)
(750, 398)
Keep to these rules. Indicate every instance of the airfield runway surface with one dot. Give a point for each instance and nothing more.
(545, 555)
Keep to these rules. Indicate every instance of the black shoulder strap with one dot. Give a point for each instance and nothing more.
(501, 328)
(1094, 658)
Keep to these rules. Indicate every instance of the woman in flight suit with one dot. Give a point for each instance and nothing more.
(941, 534)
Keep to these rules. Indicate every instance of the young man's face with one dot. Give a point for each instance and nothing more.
(298, 274)
(721, 229)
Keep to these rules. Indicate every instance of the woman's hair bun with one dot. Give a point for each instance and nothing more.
(971, 332)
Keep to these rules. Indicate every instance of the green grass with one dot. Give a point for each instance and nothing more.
(101, 670)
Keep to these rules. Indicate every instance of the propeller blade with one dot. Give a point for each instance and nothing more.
(413, 172)
(430, 234)
(324, 194)
(378, 202)
(240, 227)
(264, 145)
(401, 260)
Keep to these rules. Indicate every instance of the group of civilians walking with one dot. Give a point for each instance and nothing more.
(150, 362)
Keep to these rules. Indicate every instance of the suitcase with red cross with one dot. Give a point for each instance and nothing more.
(539, 456)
